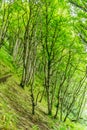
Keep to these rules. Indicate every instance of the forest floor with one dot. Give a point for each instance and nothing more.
(15, 106)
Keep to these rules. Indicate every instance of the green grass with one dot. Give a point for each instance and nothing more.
(6, 58)
(15, 105)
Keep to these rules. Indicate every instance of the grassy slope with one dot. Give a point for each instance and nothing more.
(15, 105)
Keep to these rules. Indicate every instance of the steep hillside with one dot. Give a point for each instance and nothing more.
(15, 104)
(15, 107)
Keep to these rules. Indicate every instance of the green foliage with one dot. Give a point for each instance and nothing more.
(68, 125)
(44, 43)
(5, 57)
(35, 127)
(7, 118)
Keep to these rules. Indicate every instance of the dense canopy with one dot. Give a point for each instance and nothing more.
(46, 44)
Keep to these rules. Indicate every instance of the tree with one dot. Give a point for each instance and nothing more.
(4, 21)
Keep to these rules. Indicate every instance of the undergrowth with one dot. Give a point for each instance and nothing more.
(15, 104)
